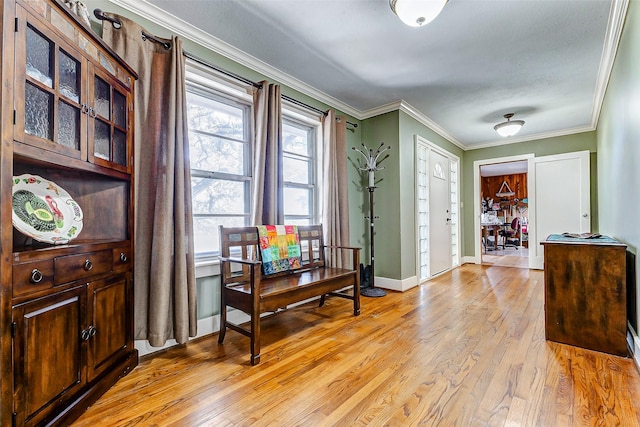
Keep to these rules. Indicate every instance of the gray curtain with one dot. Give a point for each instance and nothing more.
(335, 194)
(164, 268)
(268, 204)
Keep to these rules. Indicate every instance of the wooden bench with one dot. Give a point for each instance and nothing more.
(246, 288)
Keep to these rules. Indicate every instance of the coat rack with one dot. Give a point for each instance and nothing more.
(372, 160)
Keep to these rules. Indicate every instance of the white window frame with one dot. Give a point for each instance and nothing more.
(298, 115)
(203, 80)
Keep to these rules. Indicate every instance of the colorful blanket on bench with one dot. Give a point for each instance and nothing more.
(279, 247)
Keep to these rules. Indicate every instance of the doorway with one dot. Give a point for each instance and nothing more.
(437, 214)
(504, 215)
(558, 189)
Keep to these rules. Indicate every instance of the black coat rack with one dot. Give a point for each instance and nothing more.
(372, 161)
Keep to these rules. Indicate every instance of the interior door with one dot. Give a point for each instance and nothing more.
(439, 213)
(560, 200)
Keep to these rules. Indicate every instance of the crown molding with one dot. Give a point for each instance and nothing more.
(615, 26)
(528, 138)
(188, 31)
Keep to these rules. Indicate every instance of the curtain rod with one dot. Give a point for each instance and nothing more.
(254, 84)
(98, 13)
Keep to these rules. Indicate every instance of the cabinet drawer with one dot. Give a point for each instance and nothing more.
(73, 267)
(32, 276)
(122, 259)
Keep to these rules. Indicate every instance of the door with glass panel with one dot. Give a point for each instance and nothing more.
(72, 106)
(49, 74)
(437, 201)
(108, 113)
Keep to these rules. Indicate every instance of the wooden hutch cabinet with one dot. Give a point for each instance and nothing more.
(66, 306)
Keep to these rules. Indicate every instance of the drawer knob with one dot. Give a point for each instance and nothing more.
(88, 265)
(123, 257)
(36, 276)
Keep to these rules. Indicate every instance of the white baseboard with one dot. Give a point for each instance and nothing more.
(395, 284)
(470, 260)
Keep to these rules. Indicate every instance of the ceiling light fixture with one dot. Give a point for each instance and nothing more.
(509, 128)
(417, 13)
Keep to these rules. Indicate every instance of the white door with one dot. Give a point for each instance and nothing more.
(439, 213)
(559, 200)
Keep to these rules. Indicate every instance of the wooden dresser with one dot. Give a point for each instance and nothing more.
(66, 306)
(585, 293)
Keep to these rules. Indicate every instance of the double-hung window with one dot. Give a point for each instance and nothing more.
(220, 156)
(219, 115)
(299, 172)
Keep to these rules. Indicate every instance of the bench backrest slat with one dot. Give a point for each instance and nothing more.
(244, 242)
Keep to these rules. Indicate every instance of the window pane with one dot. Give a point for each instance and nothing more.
(119, 109)
(69, 75)
(39, 57)
(297, 221)
(102, 95)
(102, 140)
(215, 117)
(205, 232)
(296, 170)
(297, 201)
(38, 111)
(120, 147)
(213, 154)
(68, 125)
(216, 196)
(295, 140)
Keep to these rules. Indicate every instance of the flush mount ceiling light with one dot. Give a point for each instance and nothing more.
(510, 127)
(417, 13)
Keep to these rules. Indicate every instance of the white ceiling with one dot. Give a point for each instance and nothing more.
(548, 61)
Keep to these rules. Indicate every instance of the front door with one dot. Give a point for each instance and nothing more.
(439, 213)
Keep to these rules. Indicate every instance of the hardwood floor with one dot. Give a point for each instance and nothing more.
(509, 257)
(464, 349)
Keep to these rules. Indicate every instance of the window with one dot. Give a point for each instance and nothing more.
(219, 113)
(220, 155)
(299, 172)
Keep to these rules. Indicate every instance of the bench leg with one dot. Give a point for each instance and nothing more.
(255, 337)
(223, 326)
(322, 300)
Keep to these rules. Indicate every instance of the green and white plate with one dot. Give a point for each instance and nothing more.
(44, 211)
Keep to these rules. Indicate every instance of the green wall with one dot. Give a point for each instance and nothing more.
(384, 128)
(618, 141)
(541, 147)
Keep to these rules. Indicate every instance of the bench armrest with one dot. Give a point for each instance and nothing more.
(240, 260)
(355, 252)
(342, 247)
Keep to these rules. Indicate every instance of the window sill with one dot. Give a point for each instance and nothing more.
(207, 267)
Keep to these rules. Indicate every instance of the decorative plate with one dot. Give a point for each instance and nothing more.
(44, 211)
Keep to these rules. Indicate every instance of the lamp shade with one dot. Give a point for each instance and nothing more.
(510, 127)
(417, 13)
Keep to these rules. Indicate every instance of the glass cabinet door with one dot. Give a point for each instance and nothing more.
(109, 142)
(49, 74)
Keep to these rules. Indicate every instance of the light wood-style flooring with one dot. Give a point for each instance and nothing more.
(508, 257)
(464, 349)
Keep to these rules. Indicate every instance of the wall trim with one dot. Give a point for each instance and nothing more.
(396, 284)
(188, 31)
(470, 260)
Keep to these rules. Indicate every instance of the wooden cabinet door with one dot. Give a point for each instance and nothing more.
(48, 354)
(109, 327)
(109, 128)
(51, 78)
